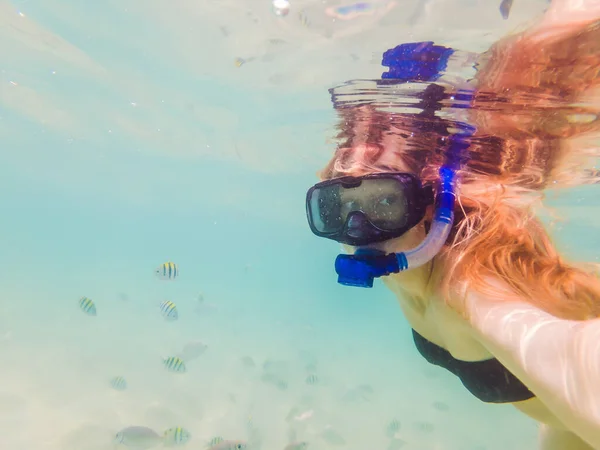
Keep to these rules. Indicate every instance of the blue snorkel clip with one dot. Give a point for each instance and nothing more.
(421, 61)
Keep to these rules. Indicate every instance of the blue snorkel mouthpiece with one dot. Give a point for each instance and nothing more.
(362, 268)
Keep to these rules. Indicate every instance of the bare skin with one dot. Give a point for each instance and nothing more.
(441, 323)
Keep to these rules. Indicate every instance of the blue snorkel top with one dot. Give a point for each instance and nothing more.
(421, 61)
(416, 61)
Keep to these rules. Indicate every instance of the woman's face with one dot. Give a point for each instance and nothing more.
(386, 203)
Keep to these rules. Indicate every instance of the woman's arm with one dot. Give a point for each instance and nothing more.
(558, 360)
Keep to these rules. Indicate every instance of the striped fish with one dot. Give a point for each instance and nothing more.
(229, 445)
(214, 441)
(169, 310)
(392, 428)
(137, 437)
(118, 383)
(312, 379)
(176, 436)
(87, 306)
(174, 364)
(296, 446)
(167, 271)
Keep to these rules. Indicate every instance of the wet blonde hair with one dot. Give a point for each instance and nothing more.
(511, 161)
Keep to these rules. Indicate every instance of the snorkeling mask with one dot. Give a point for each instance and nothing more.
(363, 210)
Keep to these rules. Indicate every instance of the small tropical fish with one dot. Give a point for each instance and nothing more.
(139, 438)
(230, 445)
(192, 350)
(312, 379)
(167, 271)
(303, 18)
(214, 441)
(87, 306)
(296, 446)
(274, 380)
(203, 307)
(174, 364)
(169, 310)
(440, 406)
(392, 428)
(425, 427)
(118, 383)
(176, 436)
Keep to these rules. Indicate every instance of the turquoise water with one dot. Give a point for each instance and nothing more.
(130, 137)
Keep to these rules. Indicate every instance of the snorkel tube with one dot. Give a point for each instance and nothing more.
(361, 268)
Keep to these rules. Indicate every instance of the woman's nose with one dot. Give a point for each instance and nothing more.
(357, 225)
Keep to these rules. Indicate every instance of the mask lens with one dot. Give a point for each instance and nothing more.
(381, 200)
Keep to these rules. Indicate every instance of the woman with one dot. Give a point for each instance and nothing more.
(486, 293)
